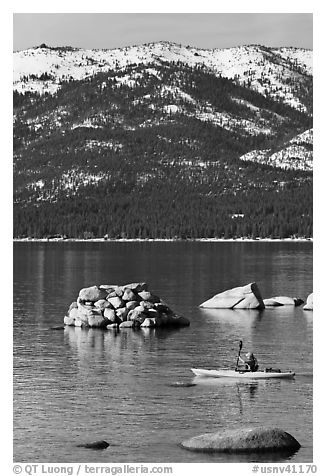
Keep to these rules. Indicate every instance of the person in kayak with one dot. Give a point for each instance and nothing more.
(249, 363)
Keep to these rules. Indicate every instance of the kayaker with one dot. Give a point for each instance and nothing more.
(250, 362)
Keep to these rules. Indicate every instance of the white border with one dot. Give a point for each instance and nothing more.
(168, 6)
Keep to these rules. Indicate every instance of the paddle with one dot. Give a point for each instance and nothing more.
(240, 347)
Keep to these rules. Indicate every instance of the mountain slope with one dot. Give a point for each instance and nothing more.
(159, 147)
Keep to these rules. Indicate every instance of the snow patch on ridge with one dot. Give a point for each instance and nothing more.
(297, 155)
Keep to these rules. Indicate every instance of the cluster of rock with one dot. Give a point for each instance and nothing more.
(249, 297)
(260, 439)
(111, 306)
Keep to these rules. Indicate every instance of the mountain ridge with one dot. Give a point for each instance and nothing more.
(229, 62)
(163, 148)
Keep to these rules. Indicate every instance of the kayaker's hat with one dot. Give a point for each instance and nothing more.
(249, 355)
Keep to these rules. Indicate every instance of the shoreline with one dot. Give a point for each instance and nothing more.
(163, 240)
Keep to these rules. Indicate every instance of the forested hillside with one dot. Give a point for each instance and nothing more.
(160, 150)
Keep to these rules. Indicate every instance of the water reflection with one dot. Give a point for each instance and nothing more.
(245, 391)
(241, 322)
(238, 317)
(112, 348)
(262, 457)
(309, 318)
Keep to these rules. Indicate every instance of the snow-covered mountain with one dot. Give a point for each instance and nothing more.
(278, 72)
(163, 140)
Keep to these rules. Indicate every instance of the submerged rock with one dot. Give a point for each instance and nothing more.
(242, 440)
(95, 445)
(243, 297)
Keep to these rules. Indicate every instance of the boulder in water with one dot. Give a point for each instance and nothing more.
(281, 301)
(309, 304)
(95, 445)
(69, 321)
(243, 297)
(243, 440)
(270, 302)
(98, 320)
(73, 313)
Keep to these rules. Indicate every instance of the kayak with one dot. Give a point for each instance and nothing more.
(259, 374)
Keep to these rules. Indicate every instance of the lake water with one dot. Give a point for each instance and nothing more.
(130, 388)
